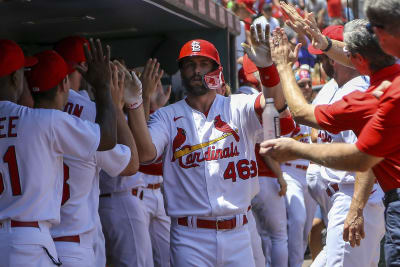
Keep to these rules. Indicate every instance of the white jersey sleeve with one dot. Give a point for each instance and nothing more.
(74, 136)
(114, 161)
(159, 131)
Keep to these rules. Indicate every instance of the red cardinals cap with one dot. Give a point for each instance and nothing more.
(71, 49)
(246, 78)
(334, 32)
(249, 5)
(12, 58)
(248, 65)
(48, 73)
(200, 47)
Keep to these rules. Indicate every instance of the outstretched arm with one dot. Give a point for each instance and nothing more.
(339, 156)
(98, 74)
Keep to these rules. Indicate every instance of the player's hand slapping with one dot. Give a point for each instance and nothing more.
(132, 87)
(150, 77)
(259, 51)
(98, 71)
(160, 97)
(281, 149)
(353, 230)
(306, 25)
(117, 86)
(281, 49)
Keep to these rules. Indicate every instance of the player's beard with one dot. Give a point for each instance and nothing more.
(195, 90)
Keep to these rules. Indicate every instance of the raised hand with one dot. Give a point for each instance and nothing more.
(117, 86)
(160, 97)
(150, 77)
(132, 87)
(259, 51)
(98, 72)
(281, 49)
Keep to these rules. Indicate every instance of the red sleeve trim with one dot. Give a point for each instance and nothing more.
(257, 106)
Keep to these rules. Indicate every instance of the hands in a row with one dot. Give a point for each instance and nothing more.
(103, 74)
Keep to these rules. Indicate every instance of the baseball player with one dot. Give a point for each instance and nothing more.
(74, 236)
(34, 143)
(340, 186)
(207, 145)
(121, 203)
(299, 204)
(157, 221)
(272, 229)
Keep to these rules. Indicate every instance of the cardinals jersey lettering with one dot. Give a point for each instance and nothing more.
(80, 200)
(31, 176)
(209, 165)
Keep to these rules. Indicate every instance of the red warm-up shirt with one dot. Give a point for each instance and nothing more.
(375, 122)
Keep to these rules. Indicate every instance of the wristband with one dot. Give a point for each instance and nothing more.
(282, 109)
(329, 44)
(269, 76)
(136, 104)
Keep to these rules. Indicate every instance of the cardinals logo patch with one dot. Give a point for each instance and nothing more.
(196, 46)
(224, 127)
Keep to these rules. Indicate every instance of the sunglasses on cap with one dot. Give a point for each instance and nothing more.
(370, 26)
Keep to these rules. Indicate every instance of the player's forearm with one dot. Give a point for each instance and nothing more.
(339, 156)
(302, 111)
(275, 93)
(138, 125)
(362, 190)
(273, 165)
(146, 106)
(106, 118)
(125, 137)
(337, 54)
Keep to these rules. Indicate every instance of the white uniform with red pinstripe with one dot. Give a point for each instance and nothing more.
(32, 148)
(210, 174)
(299, 204)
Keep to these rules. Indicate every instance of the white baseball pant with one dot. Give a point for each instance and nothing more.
(339, 253)
(193, 247)
(127, 237)
(99, 244)
(159, 224)
(270, 214)
(256, 244)
(74, 254)
(301, 209)
(317, 190)
(26, 246)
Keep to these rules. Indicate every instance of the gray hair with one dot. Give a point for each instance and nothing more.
(385, 13)
(359, 40)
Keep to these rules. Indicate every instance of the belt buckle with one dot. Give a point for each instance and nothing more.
(216, 224)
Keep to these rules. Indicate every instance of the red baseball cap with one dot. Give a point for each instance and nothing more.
(334, 32)
(12, 58)
(249, 5)
(199, 47)
(71, 49)
(48, 73)
(247, 78)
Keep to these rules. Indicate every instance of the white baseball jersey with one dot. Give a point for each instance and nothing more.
(32, 148)
(80, 201)
(301, 133)
(209, 164)
(360, 83)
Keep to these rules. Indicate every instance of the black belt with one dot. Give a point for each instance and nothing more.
(391, 196)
